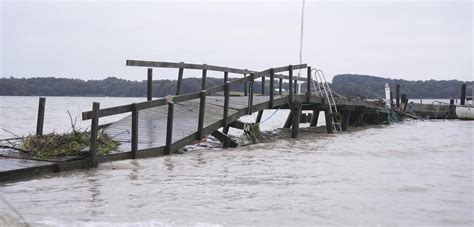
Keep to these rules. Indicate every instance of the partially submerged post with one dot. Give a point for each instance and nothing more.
(92, 162)
(314, 118)
(40, 120)
(169, 128)
(328, 117)
(134, 130)
(296, 109)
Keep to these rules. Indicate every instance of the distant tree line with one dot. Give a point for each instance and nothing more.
(348, 85)
(365, 86)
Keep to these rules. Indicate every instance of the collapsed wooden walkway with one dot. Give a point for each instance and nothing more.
(161, 126)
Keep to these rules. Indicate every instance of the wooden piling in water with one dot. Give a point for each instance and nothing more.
(169, 128)
(263, 85)
(40, 119)
(289, 120)
(92, 161)
(149, 90)
(346, 117)
(463, 94)
(328, 117)
(226, 106)
(134, 130)
(250, 99)
(296, 109)
(314, 118)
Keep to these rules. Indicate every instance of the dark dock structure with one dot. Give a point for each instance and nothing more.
(163, 125)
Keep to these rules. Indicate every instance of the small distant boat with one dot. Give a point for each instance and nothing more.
(465, 112)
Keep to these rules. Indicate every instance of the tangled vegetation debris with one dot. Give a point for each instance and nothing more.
(68, 144)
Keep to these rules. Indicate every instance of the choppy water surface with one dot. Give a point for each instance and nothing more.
(416, 172)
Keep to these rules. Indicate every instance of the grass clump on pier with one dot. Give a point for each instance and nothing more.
(67, 144)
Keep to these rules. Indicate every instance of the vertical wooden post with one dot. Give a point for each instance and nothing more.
(259, 117)
(169, 128)
(204, 79)
(328, 117)
(226, 77)
(263, 85)
(290, 85)
(308, 84)
(40, 119)
(134, 130)
(346, 117)
(250, 103)
(272, 87)
(296, 109)
(149, 90)
(463, 94)
(280, 86)
(226, 104)
(397, 95)
(92, 162)
(295, 89)
(314, 118)
(245, 86)
(202, 111)
(180, 79)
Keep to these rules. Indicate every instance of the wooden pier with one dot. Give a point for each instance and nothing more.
(163, 125)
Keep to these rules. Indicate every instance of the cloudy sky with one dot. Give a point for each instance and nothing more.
(414, 40)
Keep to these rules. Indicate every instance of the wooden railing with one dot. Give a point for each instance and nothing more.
(134, 108)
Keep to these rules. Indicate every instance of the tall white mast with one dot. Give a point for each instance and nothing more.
(301, 47)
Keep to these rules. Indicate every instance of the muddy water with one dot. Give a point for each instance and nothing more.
(413, 173)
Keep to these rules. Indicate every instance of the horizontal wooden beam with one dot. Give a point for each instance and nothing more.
(175, 65)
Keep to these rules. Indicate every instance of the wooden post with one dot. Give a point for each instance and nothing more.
(397, 96)
(328, 117)
(92, 162)
(272, 87)
(245, 86)
(314, 118)
(134, 130)
(296, 109)
(202, 111)
(226, 105)
(308, 85)
(204, 79)
(280, 86)
(259, 117)
(263, 85)
(290, 85)
(180, 79)
(463, 94)
(169, 128)
(226, 77)
(346, 117)
(149, 92)
(40, 119)
(250, 103)
(295, 89)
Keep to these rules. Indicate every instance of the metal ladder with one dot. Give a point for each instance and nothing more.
(323, 90)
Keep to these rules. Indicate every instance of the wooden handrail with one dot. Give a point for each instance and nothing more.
(186, 97)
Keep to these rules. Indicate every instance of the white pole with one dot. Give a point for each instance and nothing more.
(298, 91)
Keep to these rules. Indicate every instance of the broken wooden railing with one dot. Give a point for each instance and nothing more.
(134, 108)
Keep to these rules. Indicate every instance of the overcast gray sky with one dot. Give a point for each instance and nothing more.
(414, 40)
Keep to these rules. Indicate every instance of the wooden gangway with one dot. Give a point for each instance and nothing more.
(163, 125)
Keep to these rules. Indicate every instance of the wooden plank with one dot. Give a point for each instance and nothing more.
(156, 64)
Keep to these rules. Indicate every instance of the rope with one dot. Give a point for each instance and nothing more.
(268, 118)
